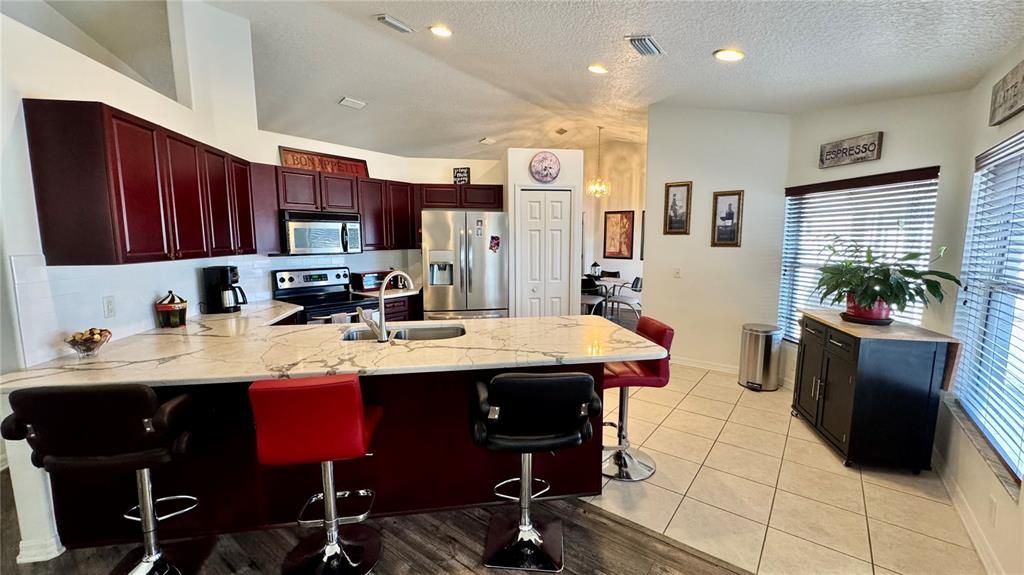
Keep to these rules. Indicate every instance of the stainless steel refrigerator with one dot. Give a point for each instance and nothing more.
(465, 264)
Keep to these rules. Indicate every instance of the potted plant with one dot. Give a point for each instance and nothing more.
(873, 284)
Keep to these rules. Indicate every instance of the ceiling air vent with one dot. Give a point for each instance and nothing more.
(352, 103)
(394, 23)
(644, 44)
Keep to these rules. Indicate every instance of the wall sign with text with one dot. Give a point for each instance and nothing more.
(460, 175)
(850, 151)
(291, 158)
(1007, 96)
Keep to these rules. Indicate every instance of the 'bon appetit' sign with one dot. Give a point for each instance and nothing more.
(851, 150)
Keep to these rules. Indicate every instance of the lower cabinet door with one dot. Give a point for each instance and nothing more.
(809, 362)
(836, 398)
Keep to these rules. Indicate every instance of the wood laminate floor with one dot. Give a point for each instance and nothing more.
(596, 543)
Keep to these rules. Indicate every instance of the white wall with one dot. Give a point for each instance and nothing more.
(56, 300)
(569, 177)
(719, 289)
(624, 166)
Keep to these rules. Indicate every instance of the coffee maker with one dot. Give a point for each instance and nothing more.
(221, 294)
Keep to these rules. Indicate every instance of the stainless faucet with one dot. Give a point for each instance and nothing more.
(381, 329)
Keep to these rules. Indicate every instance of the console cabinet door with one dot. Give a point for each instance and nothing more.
(371, 213)
(298, 189)
(483, 197)
(218, 193)
(809, 362)
(139, 197)
(440, 195)
(836, 398)
(183, 158)
(400, 205)
(339, 193)
(245, 225)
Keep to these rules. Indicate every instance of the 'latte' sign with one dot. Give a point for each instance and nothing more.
(851, 151)
(291, 158)
(1007, 96)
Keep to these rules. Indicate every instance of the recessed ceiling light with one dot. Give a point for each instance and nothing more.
(352, 103)
(487, 141)
(729, 54)
(394, 23)
(441, 30)
(597, 69)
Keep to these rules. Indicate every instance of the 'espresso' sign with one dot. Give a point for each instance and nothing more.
(851, 150)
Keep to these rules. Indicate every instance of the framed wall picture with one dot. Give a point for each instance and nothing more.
(618, 235)
(677, 208)
(643, 233)
(727, 219)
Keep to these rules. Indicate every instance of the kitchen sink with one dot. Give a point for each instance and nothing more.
(423, 333)
(359, 335)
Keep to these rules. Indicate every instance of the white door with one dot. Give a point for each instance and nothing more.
(544, 220)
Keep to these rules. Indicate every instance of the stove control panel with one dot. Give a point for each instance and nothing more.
(325, 277)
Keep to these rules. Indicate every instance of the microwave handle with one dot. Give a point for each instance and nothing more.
(344, 237)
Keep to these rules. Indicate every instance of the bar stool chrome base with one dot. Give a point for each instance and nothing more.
(511, 547)
(154, 566)
(628, 464)
(356, 552)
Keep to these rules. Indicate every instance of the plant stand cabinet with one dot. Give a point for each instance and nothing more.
(872, 392)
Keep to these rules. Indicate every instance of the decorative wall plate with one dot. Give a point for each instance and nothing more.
(544, 167)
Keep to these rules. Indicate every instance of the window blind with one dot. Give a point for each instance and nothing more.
(990, 318)
(893, 213)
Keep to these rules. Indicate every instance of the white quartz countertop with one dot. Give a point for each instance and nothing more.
(388, 293)
(245, 347)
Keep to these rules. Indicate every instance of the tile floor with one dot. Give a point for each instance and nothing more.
(742, 480)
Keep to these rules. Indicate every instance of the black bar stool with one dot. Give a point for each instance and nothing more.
(529, 413)
(107, 427)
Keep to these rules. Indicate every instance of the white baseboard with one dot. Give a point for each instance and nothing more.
(688, 362)
(33, 551)
(971, 523)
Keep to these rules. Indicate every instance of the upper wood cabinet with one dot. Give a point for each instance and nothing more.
(371, 213)
(440, 195)
(484, 197)
(298, 189)
(245, 223)
(112, 188)
(339, 193)
(265, 213)
(399, 207)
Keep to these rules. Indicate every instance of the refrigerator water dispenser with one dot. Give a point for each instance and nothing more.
(441, 268)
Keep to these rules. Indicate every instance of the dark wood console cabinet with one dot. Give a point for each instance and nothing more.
(872, 392)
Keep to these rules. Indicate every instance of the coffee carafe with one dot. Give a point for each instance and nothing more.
(221, 292)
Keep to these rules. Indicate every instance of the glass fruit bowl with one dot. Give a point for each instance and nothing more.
(88, 343)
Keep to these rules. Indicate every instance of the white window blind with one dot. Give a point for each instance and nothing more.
(990, 319)
(892, 213)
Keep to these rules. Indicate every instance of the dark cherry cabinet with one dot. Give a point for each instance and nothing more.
(399, 207)
(218, 192)
(371, 213)
(397, 309)
(482, 197)
(187, 196)
(298, 189)
(245, 223)
(339, 193)
(870, 393)
(141, 193)
(440, 195)
(265, 214)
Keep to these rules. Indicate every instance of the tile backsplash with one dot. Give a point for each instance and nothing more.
(55, 300)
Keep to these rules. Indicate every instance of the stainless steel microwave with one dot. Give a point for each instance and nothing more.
(307, 233)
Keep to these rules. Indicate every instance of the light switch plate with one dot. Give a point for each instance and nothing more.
(109, 308)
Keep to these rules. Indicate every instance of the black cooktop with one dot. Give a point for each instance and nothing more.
(329, 299)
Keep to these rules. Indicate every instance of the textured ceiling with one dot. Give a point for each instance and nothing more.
(516, 70)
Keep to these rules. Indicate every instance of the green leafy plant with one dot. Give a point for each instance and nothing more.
(871, 277)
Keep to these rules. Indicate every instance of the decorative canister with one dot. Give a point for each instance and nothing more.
(171, 310)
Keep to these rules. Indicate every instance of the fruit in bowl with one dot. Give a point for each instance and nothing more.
(87, 343)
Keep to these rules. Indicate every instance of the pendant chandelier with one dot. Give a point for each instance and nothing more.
(597, 187)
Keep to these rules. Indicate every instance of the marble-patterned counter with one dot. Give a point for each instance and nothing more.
(245, 347)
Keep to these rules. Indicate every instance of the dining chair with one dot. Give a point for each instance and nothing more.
(617, 298)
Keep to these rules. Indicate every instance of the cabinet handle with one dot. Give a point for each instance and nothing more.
(814, 387)
(836, 343)
(821, 389)
(813, 331)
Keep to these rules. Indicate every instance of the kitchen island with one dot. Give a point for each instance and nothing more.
(423, 457)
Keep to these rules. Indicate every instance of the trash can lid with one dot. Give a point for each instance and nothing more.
(764, 328)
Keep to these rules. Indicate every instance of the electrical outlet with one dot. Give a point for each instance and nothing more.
(992, 511)
(109, 308)
(677, 273)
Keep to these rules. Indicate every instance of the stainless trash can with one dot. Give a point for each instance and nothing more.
(759, 356)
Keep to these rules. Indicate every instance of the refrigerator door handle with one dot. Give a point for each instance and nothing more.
(469, 263)
(462, 260)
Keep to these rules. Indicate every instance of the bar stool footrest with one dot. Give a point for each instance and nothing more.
(132, 514)
(347, 520)
(546, 487)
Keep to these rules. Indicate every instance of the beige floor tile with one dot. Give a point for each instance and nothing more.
(839, 490)
(817, 455)
(718, 533)
(639, 502)
(703, 406)
(694, 423)
(644, 410)
(916, 513)
(778, 401)
(680, 444)
(717, 392)
(754, 439)
(686, 372)
(721, 378)
(766, 420)
(745, 463)
(611, 401)
(835, 528)
(731, 493)
(928, 484)
(659, 395)
(672, 473)
(884, 571)
(785, 554)
(911, 553)
(680, 385)
(800, 429)
(639, 431)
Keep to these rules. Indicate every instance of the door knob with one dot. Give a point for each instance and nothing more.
(534, 290)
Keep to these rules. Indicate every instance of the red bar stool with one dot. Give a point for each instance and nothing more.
(622, 462)
(320, 419)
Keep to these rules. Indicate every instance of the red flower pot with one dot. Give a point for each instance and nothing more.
(878, 311)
